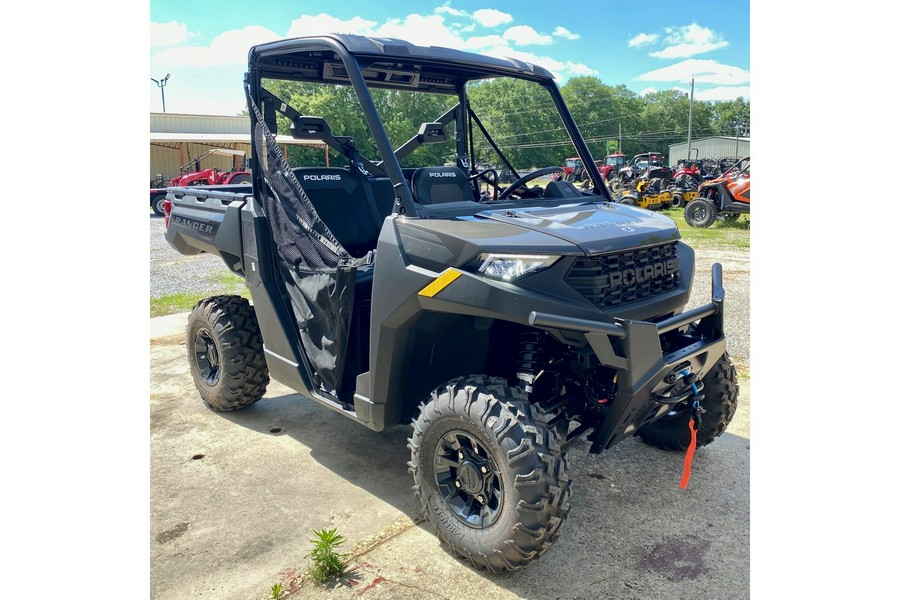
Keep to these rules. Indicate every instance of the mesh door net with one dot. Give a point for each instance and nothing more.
(318, 272)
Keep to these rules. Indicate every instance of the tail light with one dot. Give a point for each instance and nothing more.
(167, 211)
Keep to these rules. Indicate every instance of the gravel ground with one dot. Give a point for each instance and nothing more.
(171, 272)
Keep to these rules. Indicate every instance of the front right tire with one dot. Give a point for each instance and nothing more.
(489, 472)
(720, 388)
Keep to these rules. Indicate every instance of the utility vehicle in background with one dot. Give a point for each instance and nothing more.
(210, 176)
(727, 195)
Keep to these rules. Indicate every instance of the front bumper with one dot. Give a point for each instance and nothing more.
(647, 357)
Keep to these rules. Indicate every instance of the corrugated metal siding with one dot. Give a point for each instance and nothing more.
(710, 147)
(167, 160)
(199, 133)
(177, 123)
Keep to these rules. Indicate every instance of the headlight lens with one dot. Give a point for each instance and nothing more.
(512, 266)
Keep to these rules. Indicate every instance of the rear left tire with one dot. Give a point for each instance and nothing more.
(225, 352)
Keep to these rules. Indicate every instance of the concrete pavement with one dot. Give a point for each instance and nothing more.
(234, 498)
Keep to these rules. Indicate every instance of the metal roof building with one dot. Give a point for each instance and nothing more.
(718, 146)
(177, 139)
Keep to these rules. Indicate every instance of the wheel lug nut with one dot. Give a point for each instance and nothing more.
(458, 484)
(484, 470)
(461, 456)
(481, 499)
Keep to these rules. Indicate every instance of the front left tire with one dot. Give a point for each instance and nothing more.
(489, 472)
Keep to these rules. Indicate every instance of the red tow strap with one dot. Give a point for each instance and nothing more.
(690, 455)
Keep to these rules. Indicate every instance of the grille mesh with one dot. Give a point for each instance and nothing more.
(608, 280)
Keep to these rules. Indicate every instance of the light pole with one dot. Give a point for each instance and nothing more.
(162, 84)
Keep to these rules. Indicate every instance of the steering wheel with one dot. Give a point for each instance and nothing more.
(494, 180)
(522, 181)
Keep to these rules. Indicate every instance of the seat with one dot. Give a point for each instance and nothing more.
(439, 185)
(351, 206)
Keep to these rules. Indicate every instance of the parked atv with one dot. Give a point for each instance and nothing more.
(727, 195)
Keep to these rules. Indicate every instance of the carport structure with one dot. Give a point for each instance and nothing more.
(178, 139)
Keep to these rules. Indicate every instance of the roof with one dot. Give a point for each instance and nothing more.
(224, 138)
(218, 129)
(388, 62)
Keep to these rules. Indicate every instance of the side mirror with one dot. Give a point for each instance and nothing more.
(310, 128)
(432, 133)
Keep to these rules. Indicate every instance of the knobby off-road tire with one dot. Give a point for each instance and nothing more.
(720, 387)
(512, 460)
(225, 352)
(699, 213)
(629, 200)
(677, 200)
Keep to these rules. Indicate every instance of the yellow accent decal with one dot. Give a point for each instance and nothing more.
(440, 283)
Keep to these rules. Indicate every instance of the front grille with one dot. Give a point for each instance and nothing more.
(608, 280)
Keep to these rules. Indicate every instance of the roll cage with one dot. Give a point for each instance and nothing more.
(364, 63)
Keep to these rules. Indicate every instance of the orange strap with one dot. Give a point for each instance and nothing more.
(690, 455)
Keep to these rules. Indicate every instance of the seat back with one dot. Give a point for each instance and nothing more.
(342, 201)
(437, 185)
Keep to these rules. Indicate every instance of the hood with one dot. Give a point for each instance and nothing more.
(595, 228)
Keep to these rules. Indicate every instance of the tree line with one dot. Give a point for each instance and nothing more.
(521, 119)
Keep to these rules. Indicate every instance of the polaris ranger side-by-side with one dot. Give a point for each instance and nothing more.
(502, 323)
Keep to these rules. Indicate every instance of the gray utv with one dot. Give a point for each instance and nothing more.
(501, 321)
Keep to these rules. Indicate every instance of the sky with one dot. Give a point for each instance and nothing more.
(648, 46)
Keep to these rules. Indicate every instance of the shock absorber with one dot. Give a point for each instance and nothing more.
(531, 363)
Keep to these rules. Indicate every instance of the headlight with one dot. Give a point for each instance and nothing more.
(512, 266)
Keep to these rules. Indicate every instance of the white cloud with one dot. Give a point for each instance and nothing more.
(316, 24)
(169, 34)
(702, 70)
(228, 48)
(523, 35)
(491, 17)
(642, 39)
(421, 30)
(690, 41)
(649, 90)
(447, 9)
(559, 69)
(484, 41)
(579, 69)
(565, 33)
(723, 93)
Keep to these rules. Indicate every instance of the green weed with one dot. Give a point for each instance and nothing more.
(327, 561)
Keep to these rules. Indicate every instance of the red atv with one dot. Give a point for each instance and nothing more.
(211, 176)
(727, 195)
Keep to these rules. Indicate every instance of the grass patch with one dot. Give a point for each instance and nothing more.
(185, 301)
(735, 234)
